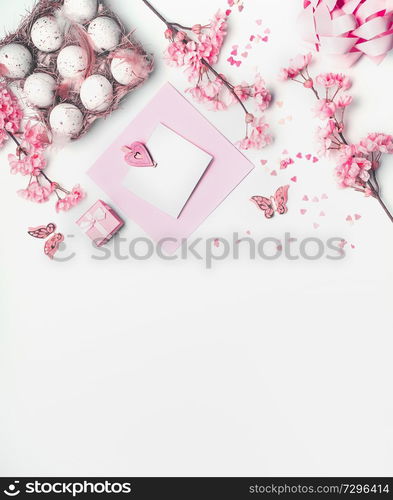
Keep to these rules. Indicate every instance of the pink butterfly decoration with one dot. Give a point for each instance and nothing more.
(276, 203)
(42, 232)
(137, 155)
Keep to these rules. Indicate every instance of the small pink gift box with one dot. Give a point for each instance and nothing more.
(100, 223)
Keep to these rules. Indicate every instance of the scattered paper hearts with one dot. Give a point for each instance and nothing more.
(294, 179)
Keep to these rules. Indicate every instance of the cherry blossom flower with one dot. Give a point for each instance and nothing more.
(354, 172)
(36, 192)
(344, 100)
(296, 66)
(325, 109)
(259, 136)
(31, 164)
(10, 113)
(327, 80)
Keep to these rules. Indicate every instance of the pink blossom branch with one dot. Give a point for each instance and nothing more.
(174, 27)
(328, 110)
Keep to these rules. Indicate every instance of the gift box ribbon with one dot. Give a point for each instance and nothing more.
(93, 220)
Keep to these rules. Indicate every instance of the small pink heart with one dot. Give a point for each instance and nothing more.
(303, 211)
(263, 162)
(325, 196)
(137, 155)
(273, 172)
(349, 218)
(316, 225)
(249, 46)
(352, 246)
(315, 199)
(322, 214)
(217, 242)
(245, 55)
(305, 198)
(308, 157)
(294, 179)
(241, 8)
(228, 12)
(285, 152)
(259, 22)
(357, 216)
(267, 31)
(234, 52)
(299, 155)
(315, 159)
(252, 38)
(265, 39)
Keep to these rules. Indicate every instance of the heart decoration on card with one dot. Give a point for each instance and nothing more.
(137, 155)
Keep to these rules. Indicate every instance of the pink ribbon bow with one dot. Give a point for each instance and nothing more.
(91, 220)
(349, 29)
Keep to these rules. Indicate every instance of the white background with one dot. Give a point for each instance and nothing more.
(251, 368)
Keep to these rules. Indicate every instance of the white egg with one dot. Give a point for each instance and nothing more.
(46, 34)
(80, 11)
(122, 70)
(17, 59)
(105, 33)
(66, 119)
(72, 62)
(40, 89)
(96, 93)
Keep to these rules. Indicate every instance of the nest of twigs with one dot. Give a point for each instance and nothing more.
(99, 63)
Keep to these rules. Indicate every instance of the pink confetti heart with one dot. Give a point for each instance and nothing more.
(267, 31)
(299, 155)
(273, 172)
(325, 196)
(241, 8)
(305, 198)
(245, 55)
(249, 46)
(228, 12)
(285, 152)
(265, 39)
(315, 199)
(357, 216)
(303, 211)
(315, 159)
(349, 218)
(294, 179)
(263, 162)
(252, 38)
(353, 246)
(259, 22)
(234, 52)
(216, 242)
(316, 225)
(308, 157)
(322, 214)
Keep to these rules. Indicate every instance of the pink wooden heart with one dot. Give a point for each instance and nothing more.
(137, 155)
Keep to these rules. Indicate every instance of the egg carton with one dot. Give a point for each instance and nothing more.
(63, 59)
